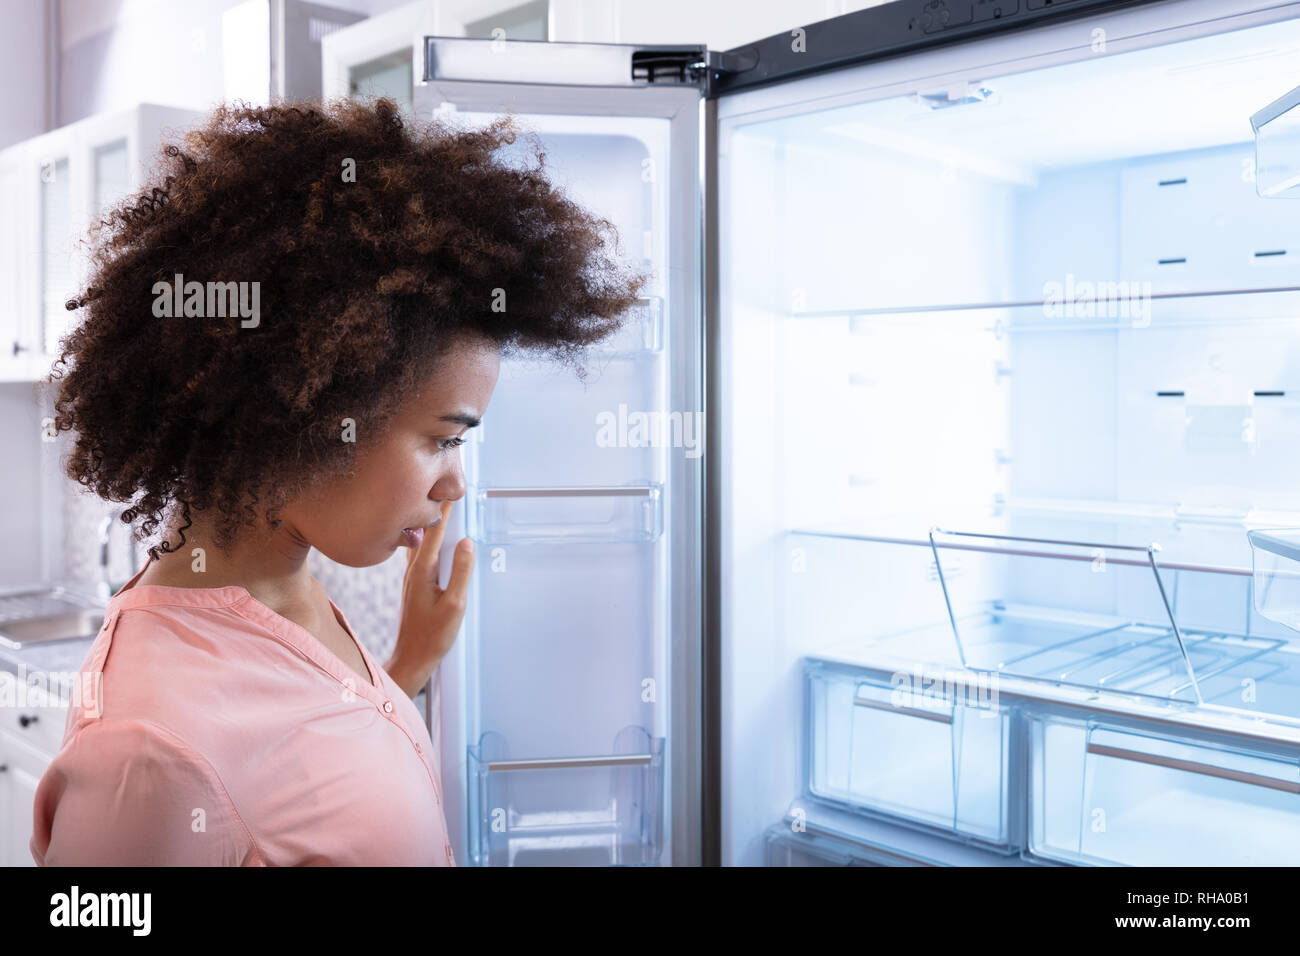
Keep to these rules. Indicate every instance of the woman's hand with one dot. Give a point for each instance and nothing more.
(431, 615)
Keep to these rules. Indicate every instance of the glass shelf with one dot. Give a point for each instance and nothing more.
(1099, 650)
(1085, 306)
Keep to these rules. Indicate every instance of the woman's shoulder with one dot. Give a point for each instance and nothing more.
(167, 663)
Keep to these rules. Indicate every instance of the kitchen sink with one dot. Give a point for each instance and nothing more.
(46, 615)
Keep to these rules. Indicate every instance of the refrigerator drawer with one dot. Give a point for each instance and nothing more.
(1104, 794)
(927, 757)
(786, 847)
(567, 811)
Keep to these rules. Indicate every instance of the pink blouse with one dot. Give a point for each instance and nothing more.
(223, 734)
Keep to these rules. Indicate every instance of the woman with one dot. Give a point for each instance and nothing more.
(285, 339)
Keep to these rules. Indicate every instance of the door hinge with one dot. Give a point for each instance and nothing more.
(687, 66)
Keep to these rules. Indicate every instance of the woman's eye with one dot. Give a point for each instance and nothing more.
(448, 443)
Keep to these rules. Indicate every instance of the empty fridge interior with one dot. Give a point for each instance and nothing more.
(1058, 311)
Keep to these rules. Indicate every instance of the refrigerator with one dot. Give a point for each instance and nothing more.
(936, 504)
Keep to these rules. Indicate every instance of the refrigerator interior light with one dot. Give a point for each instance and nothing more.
(946, 99)
(1277, 147)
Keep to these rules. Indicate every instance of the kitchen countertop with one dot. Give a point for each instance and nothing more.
(58, 657)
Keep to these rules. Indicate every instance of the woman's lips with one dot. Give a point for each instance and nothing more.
(411, 537)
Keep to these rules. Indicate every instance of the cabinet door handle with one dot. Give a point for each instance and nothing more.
(1193, 766)
(25, 719)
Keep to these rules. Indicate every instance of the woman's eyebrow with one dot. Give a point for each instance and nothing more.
(461, 418)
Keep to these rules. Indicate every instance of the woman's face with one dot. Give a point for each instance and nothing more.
(403, 477)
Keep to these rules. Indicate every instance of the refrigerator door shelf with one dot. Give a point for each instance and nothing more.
(910, 750)
(1106, 794)
(569, 515)
(641, 335)
(567, 811)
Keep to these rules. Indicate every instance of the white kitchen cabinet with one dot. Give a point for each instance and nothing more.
(52, 187)
(382, 55)
(30, 736)
(21, 769)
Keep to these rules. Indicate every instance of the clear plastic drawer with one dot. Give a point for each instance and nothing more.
(597, 810)
(936, 758)
(1275, 574)
(1106, 794)
(786, 847)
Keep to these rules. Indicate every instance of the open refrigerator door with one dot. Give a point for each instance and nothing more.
(569, 706)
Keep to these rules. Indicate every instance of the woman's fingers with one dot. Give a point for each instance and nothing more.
(425, 557)
(462, 567)
(438, 531)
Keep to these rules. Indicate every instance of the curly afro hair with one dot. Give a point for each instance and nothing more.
(365, 281)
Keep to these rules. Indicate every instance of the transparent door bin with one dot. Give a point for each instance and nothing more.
(939, 758)
(630, 513)
(567, 811)
(1086, 614)
(640, 335)
(1277, 147)
(1107, 794)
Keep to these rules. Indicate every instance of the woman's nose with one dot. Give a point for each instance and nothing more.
(451, 486)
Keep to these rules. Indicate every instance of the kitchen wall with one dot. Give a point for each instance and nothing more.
(115, 53)
(26, 56)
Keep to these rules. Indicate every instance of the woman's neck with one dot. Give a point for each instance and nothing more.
(270, 564)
